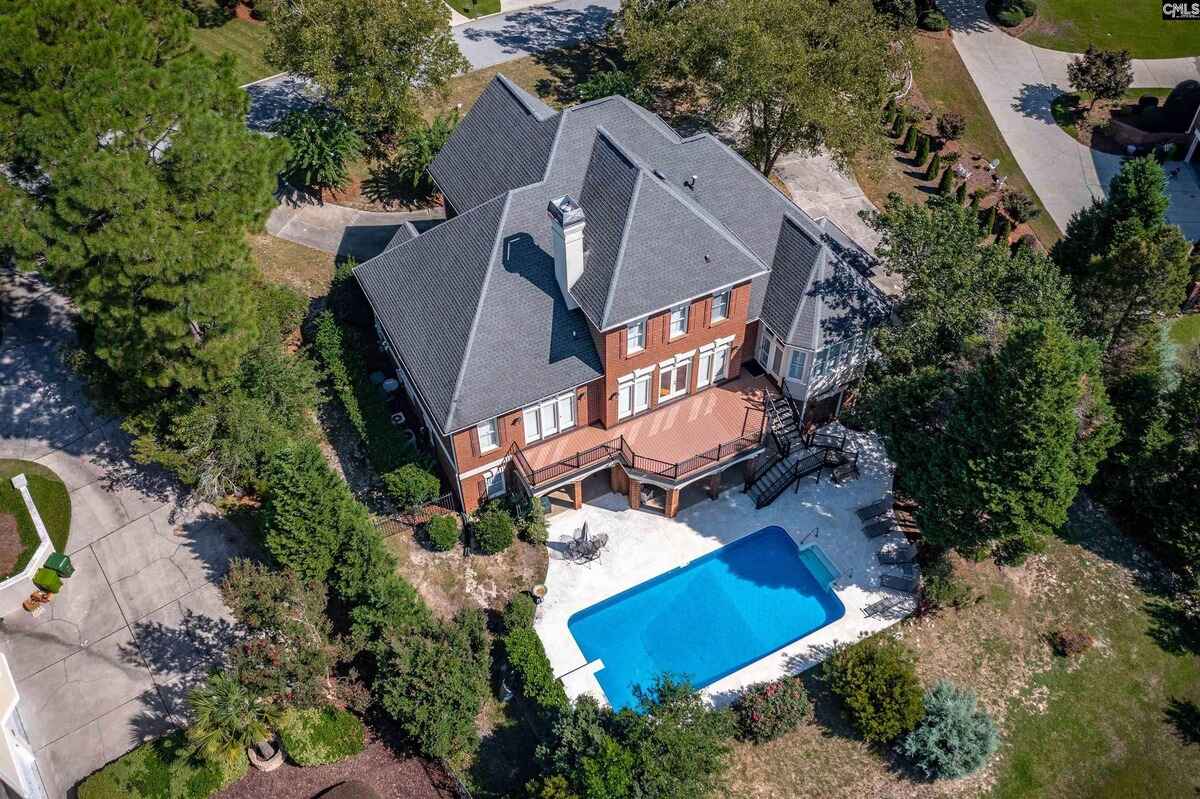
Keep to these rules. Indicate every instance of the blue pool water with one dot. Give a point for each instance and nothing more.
(709, 618)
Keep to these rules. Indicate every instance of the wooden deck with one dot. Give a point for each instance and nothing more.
(673, 432)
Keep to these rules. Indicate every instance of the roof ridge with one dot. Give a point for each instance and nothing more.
(625, 228)
(526, 99)
(497, 243)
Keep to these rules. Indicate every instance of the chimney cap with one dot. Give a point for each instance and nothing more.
(565, 210)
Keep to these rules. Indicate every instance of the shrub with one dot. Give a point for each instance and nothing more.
(770, 709)
(955, 738)
(442, 532)
(160, 768)
(227, 719)
(960, 194)
(1070, 642)
(877, 680)
(1003, 229)
(1020, 206)
(390, 607)
(935, 165)
(922, 150)
(946, 184)
(1027, 242)
(406, 175)
(910, 139)
(299, 518)
(1028, 7)
(934, 21)
(889, 109)
(322, 143)
(364, 560)
(988, 221)
(613, 82)
(1010, 17)
(898, 123)
(519, 612)
(529, 663)
(951, 126)
(316, 736)
(412, 487)
(493, 532)
(533, 523)
(940, 588)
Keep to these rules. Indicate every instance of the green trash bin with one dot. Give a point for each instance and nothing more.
(58, 562)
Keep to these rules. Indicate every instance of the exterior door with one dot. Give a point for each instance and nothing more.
(777, 358)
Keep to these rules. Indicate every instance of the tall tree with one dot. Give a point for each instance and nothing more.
(1105, 74)
(375, 59)
(793, 75)
(135, 181)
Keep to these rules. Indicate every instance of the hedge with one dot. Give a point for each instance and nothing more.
(316, 736)
(160, 769)
(529, 663)
(493, 532)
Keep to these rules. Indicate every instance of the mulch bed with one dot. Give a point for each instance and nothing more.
(390, 774)
(10, 542)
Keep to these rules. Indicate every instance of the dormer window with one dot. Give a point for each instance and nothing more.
(679, 321)
(720, 306)
(635, 337)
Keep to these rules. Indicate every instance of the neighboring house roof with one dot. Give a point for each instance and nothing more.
(473, 305)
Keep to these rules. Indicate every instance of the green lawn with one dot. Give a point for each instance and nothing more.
(245, 40)
(1184, 339)
(1072, 25)
(51, 498)
(475, 8)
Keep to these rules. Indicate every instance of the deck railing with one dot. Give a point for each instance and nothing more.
(618, 450)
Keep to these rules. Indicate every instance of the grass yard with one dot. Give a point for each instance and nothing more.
(1117, 722)
(246, 41)
(1072, 25)
(475, 8)
(1183, 339)
(307, 270)
(52, 500)
(945, 85)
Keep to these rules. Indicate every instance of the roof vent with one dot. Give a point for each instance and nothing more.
(658, 174)
(691, 183)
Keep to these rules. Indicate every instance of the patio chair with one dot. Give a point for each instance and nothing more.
(882, 606)
(881, 527)
(899, 555)
(896, 582)
(595, 547)
(868, 512)
(578, 545)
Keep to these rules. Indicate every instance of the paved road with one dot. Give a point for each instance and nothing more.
(108, 663)
(502, 37)
(1018, 82)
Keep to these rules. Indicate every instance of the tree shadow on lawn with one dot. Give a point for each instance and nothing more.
(1184, 716)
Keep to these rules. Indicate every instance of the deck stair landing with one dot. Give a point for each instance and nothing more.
(783, 470)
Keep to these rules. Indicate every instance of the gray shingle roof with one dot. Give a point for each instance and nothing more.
(473, 306)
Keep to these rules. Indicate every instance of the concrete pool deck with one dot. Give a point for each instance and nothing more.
(642, 545)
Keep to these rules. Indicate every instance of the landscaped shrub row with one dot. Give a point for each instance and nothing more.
(316, 736)
(1011, 13)
(527, 657)
(160, 769)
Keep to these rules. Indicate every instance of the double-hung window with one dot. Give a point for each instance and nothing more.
(633, 394)
(489, 435)
(635, 337)
(796, 366)
(820, 361)
(494, 480)
(549, 416)
(720, 306)
(679, 321)
(673, 377)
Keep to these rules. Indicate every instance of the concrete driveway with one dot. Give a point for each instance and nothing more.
(108, 664)
(502, 37)
(1018, 82)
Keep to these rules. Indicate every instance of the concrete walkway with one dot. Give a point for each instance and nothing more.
(502, 37)
(341, 230)
(1018, 82)
(108, 663)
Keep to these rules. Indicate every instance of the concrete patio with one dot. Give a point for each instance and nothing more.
(107, 665)
(642, 545)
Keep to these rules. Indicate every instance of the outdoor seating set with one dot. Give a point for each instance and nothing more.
(584, 548)
(878, 520)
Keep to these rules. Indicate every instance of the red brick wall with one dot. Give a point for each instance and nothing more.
(658, 347)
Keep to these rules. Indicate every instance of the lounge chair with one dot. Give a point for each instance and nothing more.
(899, 555)
(885, 605)
(882, 527)
(868, 512)
(894, 581)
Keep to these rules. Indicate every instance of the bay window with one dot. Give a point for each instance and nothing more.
(550, 416)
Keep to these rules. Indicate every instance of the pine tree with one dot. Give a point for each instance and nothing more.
(960, 193)
(300, 517)
(946, 184)
(910, 139)
(989, 219)
(898, 124)
(935, 165)
(139, 182)
(922, 150)
(889, 109)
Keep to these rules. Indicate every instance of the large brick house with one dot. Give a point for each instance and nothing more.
(591, 307)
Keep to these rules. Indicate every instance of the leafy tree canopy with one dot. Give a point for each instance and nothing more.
(135, 182)
(794, 75)
(1106, 74)
(375, 59)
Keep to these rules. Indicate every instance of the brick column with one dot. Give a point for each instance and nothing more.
(714, 486)
(617, 480)
(635, 494)
(577, 493)
(672, 502)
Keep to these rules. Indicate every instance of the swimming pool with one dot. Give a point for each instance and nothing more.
(710, 617)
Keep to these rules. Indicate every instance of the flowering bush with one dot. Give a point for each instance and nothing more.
(768, 710)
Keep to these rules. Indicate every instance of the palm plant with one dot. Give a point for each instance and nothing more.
(322, 143)
(227, 719)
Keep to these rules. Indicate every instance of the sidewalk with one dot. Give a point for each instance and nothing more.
(343, 231)
(1018, 82)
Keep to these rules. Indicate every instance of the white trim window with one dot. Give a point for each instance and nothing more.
(820, 362)
(633, 395)
(673, 377)
(679, 321)
(720, 306)
(635, 337)
(796, 365)
(712, 366)
(549, 416)
(489, 435)
(494, 479)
